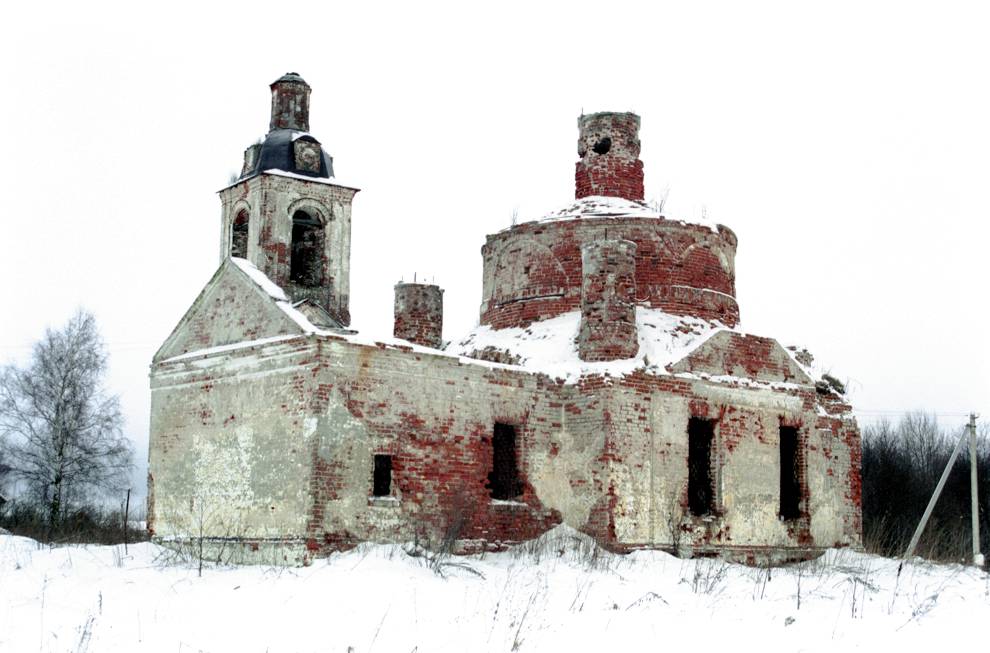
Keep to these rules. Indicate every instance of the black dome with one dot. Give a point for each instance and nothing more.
(278, 151)
(290, 77)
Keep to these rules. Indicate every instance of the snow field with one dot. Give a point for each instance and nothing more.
(560, 593)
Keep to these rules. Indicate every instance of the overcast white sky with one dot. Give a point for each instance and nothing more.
(847, 145)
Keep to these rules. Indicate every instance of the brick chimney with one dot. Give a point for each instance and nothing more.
(608, 144)
(419, 314)
(290, 103)
(608, 305)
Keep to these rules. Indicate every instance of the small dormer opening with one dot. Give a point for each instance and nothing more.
(306, 264)
(239, 234)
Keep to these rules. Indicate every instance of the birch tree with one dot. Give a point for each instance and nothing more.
(63, 430)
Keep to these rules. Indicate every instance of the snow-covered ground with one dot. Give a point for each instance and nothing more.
(561, 594)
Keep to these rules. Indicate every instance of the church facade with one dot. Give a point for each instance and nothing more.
(607, 385)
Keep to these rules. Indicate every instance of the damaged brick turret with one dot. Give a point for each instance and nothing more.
(419, 313)
(608, 145)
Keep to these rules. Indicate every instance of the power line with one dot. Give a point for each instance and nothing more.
(110, 345)
(902, 413)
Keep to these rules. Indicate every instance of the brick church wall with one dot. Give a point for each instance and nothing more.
(289, 434)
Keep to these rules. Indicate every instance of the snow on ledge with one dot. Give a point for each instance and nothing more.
(222, 349)
(508, 503)
(600, 206)
(260, 278)
(277, 293)
(331, 181)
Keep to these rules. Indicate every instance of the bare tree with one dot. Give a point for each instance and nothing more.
(901, 465)
(5, 467)
(64, 430)
(5, 470)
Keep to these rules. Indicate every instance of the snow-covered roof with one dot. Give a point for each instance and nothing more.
(599, 206)
(550, 346)
(277, 294)
(305, 325)
(260, 278)
(547, 347)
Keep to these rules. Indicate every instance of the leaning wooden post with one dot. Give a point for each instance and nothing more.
(127, 508)
(934, 499)
(974, 492)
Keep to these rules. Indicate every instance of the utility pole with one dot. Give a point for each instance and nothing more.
(973, 491)
(935, 495)
(978, 559)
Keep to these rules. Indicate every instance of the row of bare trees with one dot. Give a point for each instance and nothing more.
(61, 436)
(902, 463)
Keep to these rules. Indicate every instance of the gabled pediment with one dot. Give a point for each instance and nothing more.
(232, 308)
(728, 353)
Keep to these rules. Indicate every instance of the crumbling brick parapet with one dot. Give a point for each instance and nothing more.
(419, 314)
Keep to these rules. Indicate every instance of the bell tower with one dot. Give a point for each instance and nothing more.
(286, 213)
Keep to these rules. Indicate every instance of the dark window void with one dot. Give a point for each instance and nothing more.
(503, 481)
(306, 266)
(790, 473)
(603, 146)
(383, 475)
(239, 235)
(701, 486)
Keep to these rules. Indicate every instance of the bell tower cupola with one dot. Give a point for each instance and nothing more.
(286, 212)
(290, 103)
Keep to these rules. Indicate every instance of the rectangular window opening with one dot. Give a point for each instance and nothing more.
(383, 475)
(790, 473)
(701, 485)
(503, 481)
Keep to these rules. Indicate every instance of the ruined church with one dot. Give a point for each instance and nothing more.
(607, 385)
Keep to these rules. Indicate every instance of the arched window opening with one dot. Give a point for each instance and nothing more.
(790, 473)
(306, 265)
(239, 235)
(503, 481)
(701, 484)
